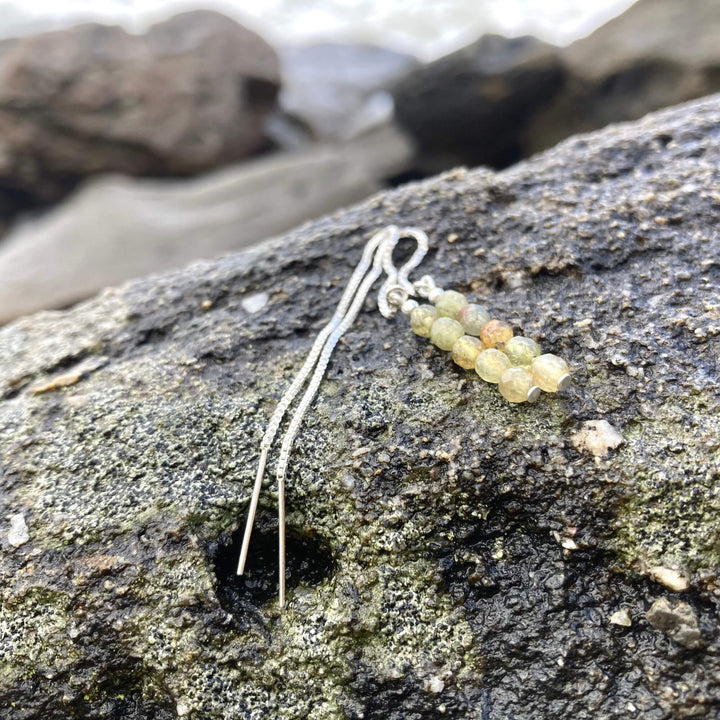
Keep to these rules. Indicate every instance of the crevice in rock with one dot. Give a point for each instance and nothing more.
(309, 561)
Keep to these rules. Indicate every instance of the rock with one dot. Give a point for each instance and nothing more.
(118, 228)
(622, 618)
(188, 96)
(671, 578)
(340, 90)
(471, 107)
(677, 620)
(657, 53)
(18, 534)
(597, 437)
(437, 563)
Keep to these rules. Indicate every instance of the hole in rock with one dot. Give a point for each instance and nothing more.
(308, 562)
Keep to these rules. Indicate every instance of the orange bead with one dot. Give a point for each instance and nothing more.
(495, 334)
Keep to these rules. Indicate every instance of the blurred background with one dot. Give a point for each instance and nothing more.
(138, 135)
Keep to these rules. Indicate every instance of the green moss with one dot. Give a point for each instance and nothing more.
(37, 629)
(670, 514)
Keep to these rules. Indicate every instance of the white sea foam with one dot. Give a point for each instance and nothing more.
(426, 27)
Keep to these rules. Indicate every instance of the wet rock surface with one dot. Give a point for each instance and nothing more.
(189, 95)
(451, 554)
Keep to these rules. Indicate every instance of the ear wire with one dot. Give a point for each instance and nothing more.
(376, 258)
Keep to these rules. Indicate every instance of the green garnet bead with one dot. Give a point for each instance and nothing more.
(473, 318)
(521, 350)
(465, 351)
(495, 334)
(491, 364)
(550, 373)
(422, 318)
(515, 384)
(450, 303)
(445, 331)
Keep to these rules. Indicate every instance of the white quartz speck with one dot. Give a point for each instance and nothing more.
(597, 436)
(670, 577)
(254, 303)
(434, 685)
(18, 534)
(621, 618)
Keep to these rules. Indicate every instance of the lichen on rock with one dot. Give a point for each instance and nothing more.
(448, 552)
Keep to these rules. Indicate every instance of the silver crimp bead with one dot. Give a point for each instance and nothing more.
(435, 294)
(425, 287)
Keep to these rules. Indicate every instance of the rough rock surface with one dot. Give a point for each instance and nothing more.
(116, 228)
(657, 53)
(189, 95)
(472, 106)
(450, 554)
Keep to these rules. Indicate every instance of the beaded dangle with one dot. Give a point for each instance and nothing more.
(466, 330)
(488, 346)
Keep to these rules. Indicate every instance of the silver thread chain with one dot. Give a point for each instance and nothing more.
(376, 258)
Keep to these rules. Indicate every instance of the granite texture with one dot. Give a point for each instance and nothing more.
(450, 554)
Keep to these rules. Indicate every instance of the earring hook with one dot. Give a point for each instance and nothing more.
(376, 258)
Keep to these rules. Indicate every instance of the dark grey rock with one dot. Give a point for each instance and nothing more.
(657, 53)
(450, 554)
(472, 106)
(189, 95)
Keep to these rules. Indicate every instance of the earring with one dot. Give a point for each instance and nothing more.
(466, 330)
(487, 345)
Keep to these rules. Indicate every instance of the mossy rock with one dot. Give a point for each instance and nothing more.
(450, 554)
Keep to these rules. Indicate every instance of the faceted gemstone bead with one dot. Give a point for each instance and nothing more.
(521, 350)
(550, 372)
(515, 384)
(465, 351)
(422, 318)
(450, 303)
(491, 364)
(472, 318)
(445, 331)
(495, 334)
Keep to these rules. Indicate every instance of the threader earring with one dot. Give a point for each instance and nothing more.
(475, 339)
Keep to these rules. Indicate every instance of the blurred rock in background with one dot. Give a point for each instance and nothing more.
(117, 228)
(338, 91)
(189, 95)
(321, 126)
(500, 100)
(657, 53)
(471, 107)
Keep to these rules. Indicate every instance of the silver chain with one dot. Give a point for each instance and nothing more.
(395, 291)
